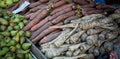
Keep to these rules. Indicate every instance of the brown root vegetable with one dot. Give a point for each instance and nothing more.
(37, 13)
(36, 20)
(34, 4)
(43, 1)
(60, 13)
(81, 2)
(52, 52)
(92, 39)
(40, 24)
(62, 17)
(29, 15)
(68, 20)
(93, 12)
(61, 8)
(40, 30)
(88, 6)
(44, 33)
(38, 8)
(59, 3)
(49, 37)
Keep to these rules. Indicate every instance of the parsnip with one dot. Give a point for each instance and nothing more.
(75, 57)
(84, 36)
(75, 38)
(92, 39)
(52, 52)
(94, 31)
(76, 52)
(76, 46)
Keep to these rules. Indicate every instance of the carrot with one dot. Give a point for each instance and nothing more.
(81, 2)
(41, 23)
(34, 34)
(88, 6)
(62, 17)
(36, 13)
(43, 1)
(49, 37)
(59, 3)
(91, 2)
(34, 4)
(36, 20)
(44, 33)
(29, 15)
(37, 8)
(60, 13)
(61, 8)
(93, 12)
(70, 18)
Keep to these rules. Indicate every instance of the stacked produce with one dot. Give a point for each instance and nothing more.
(90, 7)
(85, 37)
(12, 37)
(6, 3)
(49, 13)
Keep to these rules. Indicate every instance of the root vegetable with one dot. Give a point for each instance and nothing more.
(43, 1)
(49, 38)
(83, 37)
(60, 13)
(35, 4)
(75, 47)
(84, 47)
(75, 57)
(62, 2)
(44, 33)
(29, 15)
(69, 19)
(40, 30)
(92, 39)
(75, 38)
(38, 8)
(111, 35)
(94, 31)
(69, 53)
(77, 52)
(61, 8)
(52, 52)
(81, 2)
(62, 17)
(40, 24)
(60, 37)
(36, 20)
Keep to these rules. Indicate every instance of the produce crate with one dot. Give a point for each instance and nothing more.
(36, 53)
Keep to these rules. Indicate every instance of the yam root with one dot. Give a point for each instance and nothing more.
(34, 4)
(36, 20)
(49, 38)
(29, 15)
(61, 8)
(59, 3)
(62, 17)
(44, 33)
(40, 30)
(40, 24)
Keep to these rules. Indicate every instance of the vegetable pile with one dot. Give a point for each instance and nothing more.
(85, 37)
(12, 37)
(6, 3)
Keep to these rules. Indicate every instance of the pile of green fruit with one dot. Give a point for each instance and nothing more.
(5, 3)
(12, 37)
